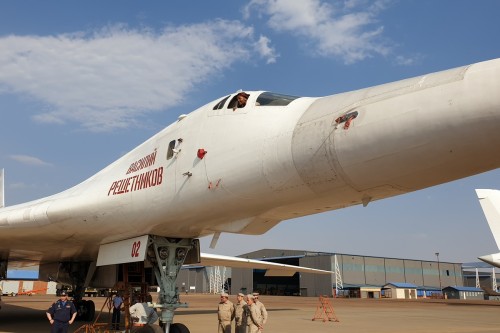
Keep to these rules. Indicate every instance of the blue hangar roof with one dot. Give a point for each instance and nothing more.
(459, 288)
(402, 285)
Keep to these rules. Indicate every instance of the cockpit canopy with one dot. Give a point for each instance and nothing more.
(269, 98)
(264, 99)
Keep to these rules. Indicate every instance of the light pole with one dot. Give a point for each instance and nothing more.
(439, 273)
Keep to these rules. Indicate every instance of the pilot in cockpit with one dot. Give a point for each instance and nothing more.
(242, 98)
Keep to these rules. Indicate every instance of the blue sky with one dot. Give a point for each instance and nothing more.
(81, 83)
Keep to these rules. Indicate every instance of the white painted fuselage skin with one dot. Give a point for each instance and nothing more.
(266, 163)
(490, 203)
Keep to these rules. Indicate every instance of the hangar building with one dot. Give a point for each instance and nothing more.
(360, 276)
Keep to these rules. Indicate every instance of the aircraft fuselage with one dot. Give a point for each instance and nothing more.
(245, 170)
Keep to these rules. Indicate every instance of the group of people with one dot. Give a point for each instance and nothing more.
(248, 313)
(62, 313)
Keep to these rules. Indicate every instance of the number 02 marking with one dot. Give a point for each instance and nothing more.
(135, 249)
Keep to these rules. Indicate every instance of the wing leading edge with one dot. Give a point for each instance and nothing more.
(272, 268)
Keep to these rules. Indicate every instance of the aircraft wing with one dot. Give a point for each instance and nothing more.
(272, 268)
(490, 203)
(492, 259)
(475, 264)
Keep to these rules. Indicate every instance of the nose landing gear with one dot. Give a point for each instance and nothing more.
(167, 255)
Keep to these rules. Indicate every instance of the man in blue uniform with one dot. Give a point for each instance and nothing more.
(61, 314)
(117, 305)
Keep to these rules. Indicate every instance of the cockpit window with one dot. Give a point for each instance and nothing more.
(232, 102)
(238, 101)
(219, 105)
(170, 152)
(269, 98)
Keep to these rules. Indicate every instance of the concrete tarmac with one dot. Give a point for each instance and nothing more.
(293, 314)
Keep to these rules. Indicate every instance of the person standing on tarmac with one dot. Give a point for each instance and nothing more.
(225, 313)
(254, 319)
(240, 314)
(261, 307)
(61, 314)
(117, 306)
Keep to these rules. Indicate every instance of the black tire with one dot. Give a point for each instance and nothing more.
(81, 313)
(178, 328)
(85, 310)
(90, 310)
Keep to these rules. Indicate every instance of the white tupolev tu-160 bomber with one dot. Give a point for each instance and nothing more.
(286, 157)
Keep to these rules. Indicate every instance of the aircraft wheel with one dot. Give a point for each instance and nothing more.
(90, 310)
(86, 310)
(179, 328)
(80, 310)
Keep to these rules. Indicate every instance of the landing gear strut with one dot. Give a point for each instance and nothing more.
(77, 272)
(167, 255)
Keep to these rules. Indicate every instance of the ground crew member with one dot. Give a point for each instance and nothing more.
(261, 307)
(117, 306)
(225, 313)
(240, 314)
(254, 319)
(61, 314)
(142, 315)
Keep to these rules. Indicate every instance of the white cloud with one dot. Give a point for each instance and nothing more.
(110, 78)
(349, 32)
(30, 160)
(265, 50)
(408, 61)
